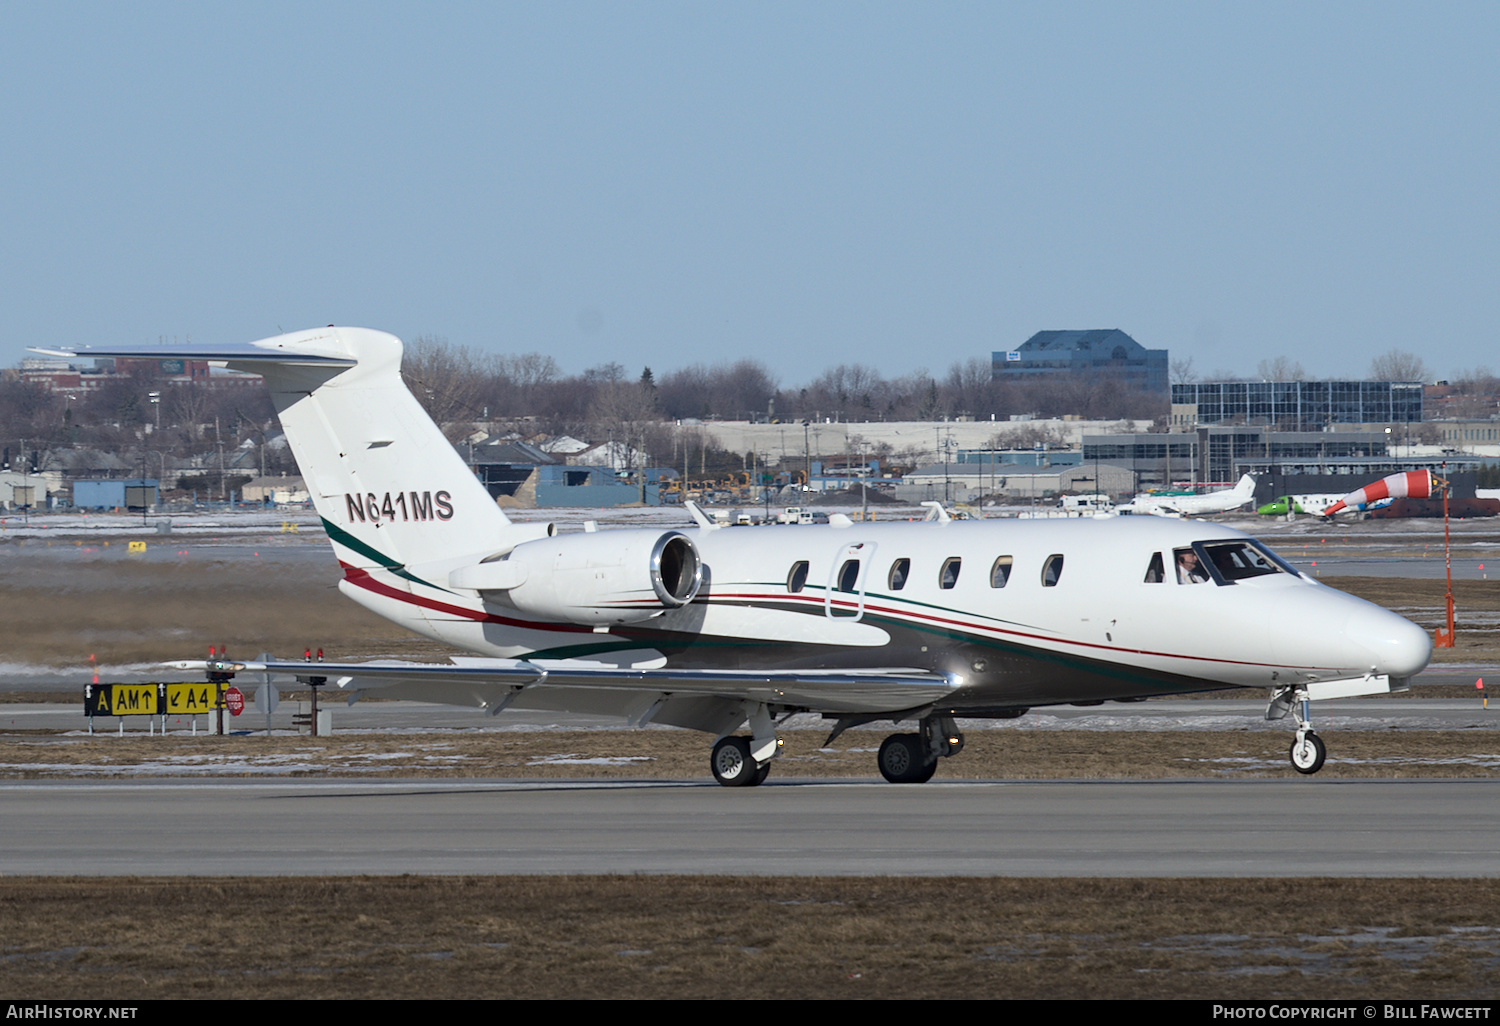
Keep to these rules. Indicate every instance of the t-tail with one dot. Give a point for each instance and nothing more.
(392, 492)
(390, 489)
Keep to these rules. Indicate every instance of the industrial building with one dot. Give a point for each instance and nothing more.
(119, 493)
(966, 482)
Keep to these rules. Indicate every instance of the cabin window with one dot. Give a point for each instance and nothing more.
(797, 579)
(948, 576)
(900, 570)
(1236, 561)
(849, 575)
(1155, 572)
(1052, 570)
(1000, 572)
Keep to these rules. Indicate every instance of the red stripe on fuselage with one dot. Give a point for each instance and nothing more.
(361, 578)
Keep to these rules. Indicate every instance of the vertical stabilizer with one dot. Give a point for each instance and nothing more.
(391, 490)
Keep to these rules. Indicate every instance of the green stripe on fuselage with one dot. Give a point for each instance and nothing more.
(348, 541)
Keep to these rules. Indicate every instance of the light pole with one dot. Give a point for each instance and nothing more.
(155, 398)
(806, 457)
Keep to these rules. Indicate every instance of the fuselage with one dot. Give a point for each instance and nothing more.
(991, 615)
(1024, 613)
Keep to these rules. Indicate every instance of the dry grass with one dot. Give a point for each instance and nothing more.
(712, 937)
(129, 612)
(677, 755)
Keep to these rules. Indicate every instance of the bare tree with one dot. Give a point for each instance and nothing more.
(726, 390)
(971, 388)
(449, 381)
(1280, 369)
(1474, 393)
(529, 370)
(1182, 371)
(623, 410)
(1397, 365)
(1028, 436)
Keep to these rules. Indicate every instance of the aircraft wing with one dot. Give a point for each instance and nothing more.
(492, 682)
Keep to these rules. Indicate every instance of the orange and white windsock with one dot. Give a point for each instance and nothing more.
(1410, 484)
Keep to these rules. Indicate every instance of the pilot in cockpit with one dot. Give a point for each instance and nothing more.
(1189, 570)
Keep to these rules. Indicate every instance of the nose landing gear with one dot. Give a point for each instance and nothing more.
(1308, 750)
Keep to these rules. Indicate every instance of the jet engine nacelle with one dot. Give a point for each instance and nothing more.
(595, 577)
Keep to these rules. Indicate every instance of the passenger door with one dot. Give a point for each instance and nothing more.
(846, 577)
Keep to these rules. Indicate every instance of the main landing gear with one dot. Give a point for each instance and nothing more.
(734, 766)
(903, 760)
(1308, 750)
(739, 761)
(912, 758)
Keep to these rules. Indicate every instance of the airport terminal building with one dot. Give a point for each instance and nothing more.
(1296, 405)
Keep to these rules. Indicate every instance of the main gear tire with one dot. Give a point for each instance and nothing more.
(904, 760)
(732, 764)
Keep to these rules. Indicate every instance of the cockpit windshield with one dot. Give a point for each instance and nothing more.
(1233, 561)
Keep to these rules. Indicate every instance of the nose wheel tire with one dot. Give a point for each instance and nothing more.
(733, 766)
(1308, 753)
(903, 760)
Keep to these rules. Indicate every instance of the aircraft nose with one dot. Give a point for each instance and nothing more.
(1394, 644)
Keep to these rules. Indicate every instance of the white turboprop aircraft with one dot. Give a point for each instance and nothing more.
(1189, 505)
(713, 628)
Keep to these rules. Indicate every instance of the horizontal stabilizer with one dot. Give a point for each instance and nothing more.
(247, 353)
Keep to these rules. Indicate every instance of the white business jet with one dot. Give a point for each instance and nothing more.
(717, 628)
(1193, 505)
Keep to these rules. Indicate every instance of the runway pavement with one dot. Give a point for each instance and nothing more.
(1304, 827)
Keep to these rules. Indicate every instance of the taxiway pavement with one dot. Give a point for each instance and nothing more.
(1239, 828)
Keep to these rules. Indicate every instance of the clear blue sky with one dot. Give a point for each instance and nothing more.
(899, 184)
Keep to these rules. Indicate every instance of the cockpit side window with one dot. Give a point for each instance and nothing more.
(1189, 567)
(1155, 574)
